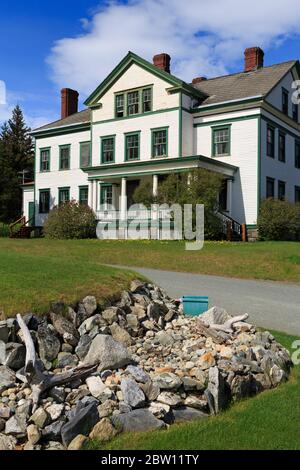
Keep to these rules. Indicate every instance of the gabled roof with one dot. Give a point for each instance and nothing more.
(243, 85)
(83, 117)
(125, 63)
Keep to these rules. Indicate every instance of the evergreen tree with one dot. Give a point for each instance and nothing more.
(16, 156)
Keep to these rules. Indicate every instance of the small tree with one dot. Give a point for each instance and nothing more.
(278, 220)
(70, 220)
(144, 194)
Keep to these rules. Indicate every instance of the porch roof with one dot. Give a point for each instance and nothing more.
(160, 166)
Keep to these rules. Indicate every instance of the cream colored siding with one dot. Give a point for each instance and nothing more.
(28, 196)
(187, 134)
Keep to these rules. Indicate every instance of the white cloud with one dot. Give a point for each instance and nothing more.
(203, 37)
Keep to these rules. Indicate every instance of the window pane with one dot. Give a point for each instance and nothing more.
(44, 203)
(147, 100)
(281, 190)
(159, 143)
(106, 195)
(65, 158)
(270, 142)
(64, 196)
(133, 102)
(85, 154)
(84, 195)
(282, 147)
(285, 102)
(270, 188)
(132, 147)
(221, 142)
(120, 105)
(295, 112)
(108, 150)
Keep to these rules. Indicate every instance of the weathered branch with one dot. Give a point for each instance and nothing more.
(204, 330)
(40, 381)
(227, 327)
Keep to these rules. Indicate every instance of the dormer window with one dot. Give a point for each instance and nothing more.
(285, 102)
(133, 102)
(119, 105)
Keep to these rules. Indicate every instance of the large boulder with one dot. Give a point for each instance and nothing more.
(81, 423)
(49, 344)
(108, 353)
(137, 420)
(132, 394)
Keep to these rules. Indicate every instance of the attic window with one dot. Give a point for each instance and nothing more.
(285, 102)
(119, 105)
(133, 102)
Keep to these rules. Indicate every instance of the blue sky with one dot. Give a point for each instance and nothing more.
(71, 43)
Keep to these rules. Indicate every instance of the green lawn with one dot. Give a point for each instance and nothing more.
(268, 421)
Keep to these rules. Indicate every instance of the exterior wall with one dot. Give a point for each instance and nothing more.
(243, 154)
(187, 134)
(28, 196)
(275, 97)
(56, 178)
(272, 167)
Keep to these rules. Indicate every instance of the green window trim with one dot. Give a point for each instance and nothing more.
(102, 149)
(139, 102)
(60, 192)
(155, 131)
(47, 210)
(83, 190)
(215, 130)
(126, 148)
(271, 143)
(81, 146)
(63, 147)
(44, 149)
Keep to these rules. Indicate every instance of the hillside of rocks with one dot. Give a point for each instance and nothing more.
(135, 364)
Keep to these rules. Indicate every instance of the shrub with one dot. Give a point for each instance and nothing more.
(70, 220)
(278, 220)
(4, 230)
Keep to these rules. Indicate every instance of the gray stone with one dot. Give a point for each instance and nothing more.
(53, 431)
(164, 338)
(90, 323)
(7, 442)
(148, 325)
(132, 321)
(2, 352)
(2, 424)
(139, 312)
(58, 393)
(5, 411)
(4, 332)
(132, 393)
(82, 423)
(136, 286)
(188, 414)
(83, 346)
(151, 390)
(217, 388)
(215, 315)
(110, 315)
(67, 348)
(137, 420)
(106, 409)
(7, 378)
(277, 375)
(108, 353)
(78, 442)
(192, 384)
(14, 356)
(65, 359)
(120, 334)
(90, 305)
(33, 434)
(55, 411)
(49, 344)
(138, 374)
(96, 386)
(167, 381)
(103, 431)
(241, 387)
(40, 417)
(54, 445)
(170, 399)
(195, 402)
(65, 328)
(16, 426)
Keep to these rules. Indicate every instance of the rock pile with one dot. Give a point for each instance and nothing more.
(154, 367)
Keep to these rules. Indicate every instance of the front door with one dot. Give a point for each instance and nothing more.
(31, 213)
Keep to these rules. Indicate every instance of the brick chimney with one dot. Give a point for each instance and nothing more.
(254, 58)
(162, 61)
(198, 80)
(69, 102)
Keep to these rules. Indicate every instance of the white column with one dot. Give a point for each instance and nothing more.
(155, 185)
(90, 201)
(229, 196)
(95, 192)
(123, 202)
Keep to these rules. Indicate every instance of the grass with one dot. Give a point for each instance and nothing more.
(30, 279)
(277, 261)
(269, 421)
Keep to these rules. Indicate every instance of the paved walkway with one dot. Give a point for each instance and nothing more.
(270, 304)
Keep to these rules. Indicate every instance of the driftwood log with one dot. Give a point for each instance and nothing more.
(216, 331)
(228, 326)
(40, 381)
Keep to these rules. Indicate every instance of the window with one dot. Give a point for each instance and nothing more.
(159, 142)
(297, 154)
(285, 102)
(45, 159)
(270, 141)
(133, 103)
(84, 195)
(281, 149)
(221, 141)
(270, 188)
(44, 202)
(85, 154)
(106, 195)
(108, 149)
(119, 105)
(64, 157)
(63, 195)
(147, 100)
(132, 146)
(297, 194)
(295, 110)
(281, 190)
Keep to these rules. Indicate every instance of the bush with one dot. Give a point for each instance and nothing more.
(4, 230)
(278, 220)
(70, 220)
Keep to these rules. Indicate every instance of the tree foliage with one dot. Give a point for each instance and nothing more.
(278, 220)
(16, 156)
